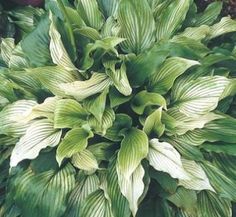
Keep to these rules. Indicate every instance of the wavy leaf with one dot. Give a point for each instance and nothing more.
(134, 148)
(83, 89)
(38, 136)
(12, 117)
(69, 113)
(50, 187)
(199, 96)
(58, 52)
(163, 157)
(198, 180)
(144, 99)
(76, 140)
(173, 67)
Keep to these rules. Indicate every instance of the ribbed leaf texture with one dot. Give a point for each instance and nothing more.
(117, 108)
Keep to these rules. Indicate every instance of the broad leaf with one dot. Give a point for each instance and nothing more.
(58, 52)
(12, 117)
(69, 113)
(198, 180)
(163, 79)
(171, 19)
(83, 89)
(85, 160)
(163, 157)
(89, 11)
(85, 185)
(144, 99)
(119, 204)
(96, 204)
(134, 148)
(38, 136)
(199, 96)
(51, 189)
(211, 205)
(76, 140)
(137, 25)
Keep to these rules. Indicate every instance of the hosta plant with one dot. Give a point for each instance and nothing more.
(118, 108)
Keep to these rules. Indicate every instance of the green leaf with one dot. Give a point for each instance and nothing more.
(171, 19)
(139, 68)
(36, 44)
(163, 79)
(69, 113)
(85, 160)
(144, 99)
(209, 15)
(185, 199)
(122, 121)
(83, 89)
(88, 32)
(96, 104)
(45, 109)
(101, 126)
(137, 25)
(153, 123)
(116, 98)
(38, 136)
(200, 96)
(49, 196)
(222, 184)
(226, 25)
(163, 157)
(76, 140)
(211, 205)
(96, 204)
(74, 17)
(134, 148)
(198, 180)
(6, 47)
(102, 150)
(132, 187)
(221, 147)
(51, 77)
(185, 123)
(109, 7)
(89, 11)
(58, 52)
(119, 204)
(120, 79)
(12, 117)
(85, 185)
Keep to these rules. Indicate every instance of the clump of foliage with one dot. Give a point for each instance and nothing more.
(118, 108)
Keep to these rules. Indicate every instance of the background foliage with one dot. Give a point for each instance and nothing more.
(117, 108)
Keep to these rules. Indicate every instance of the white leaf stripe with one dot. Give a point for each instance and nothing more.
(83, 89)
(137, 25)
(89, 11)
(226, 25)
(134, 148)
(86, 185)
(132, 187)
(199, 180)
(171, 18)
(58, 52)
(119, 204)
(85, 160)
(163, 79)
(12, 117)
(38, 136)
(97, 205)
(199, 96)
(163, 157)
(49, 187)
